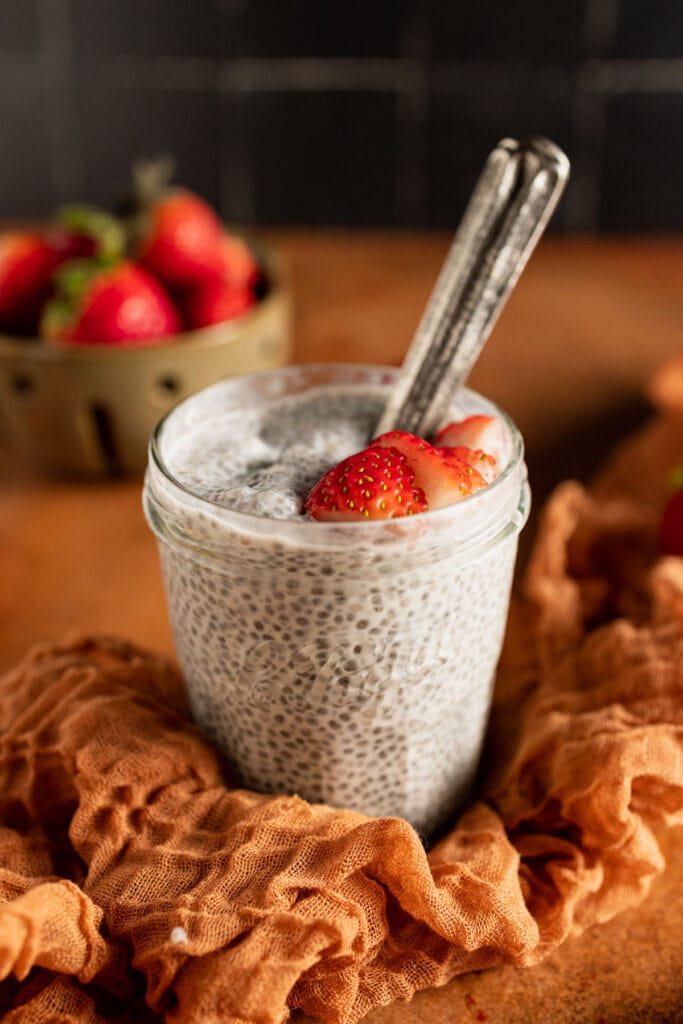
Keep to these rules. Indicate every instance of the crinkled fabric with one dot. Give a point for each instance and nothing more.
(138, 884)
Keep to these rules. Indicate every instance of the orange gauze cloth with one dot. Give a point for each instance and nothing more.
(137, 885)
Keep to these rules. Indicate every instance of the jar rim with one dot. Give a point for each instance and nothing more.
(316, 530)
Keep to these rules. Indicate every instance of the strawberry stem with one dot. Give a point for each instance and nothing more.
(152, 177)
(106, 230)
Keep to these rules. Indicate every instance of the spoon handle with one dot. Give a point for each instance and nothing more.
(512, 202)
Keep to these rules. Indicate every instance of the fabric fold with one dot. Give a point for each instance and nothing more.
(136, 879)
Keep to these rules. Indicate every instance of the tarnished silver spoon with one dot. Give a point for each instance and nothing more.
(512, 203)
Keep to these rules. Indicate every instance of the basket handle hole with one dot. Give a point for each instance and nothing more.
(168, 385)
(22, 385)
(165, 389)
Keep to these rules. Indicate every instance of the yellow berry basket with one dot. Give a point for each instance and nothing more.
(91, 409)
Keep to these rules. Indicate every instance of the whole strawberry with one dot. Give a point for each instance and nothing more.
(27, 262)
(214, 302)
(180, 240)
(671, 523)
(240, 268)
(177, 235)
(119, 304)
(228, 295)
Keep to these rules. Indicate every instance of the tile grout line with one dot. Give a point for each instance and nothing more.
(400, 74)
(644, 76)
(589, 117)
(411, 119)
(262, 75)
(67, 166)
(236, 177)
(409, 76)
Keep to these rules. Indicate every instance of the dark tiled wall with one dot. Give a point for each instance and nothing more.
(369, 112)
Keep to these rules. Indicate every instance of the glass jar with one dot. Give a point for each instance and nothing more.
(350, 663)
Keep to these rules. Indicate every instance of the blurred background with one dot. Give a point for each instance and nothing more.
(362, 112)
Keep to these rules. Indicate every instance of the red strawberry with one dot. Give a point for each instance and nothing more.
(443, 480)
(98, 304)
(479, 431)
(26, 265)
(376, 483)
(79, 231)
(484, 463)
(215, 301)
(671, 523)
(180, 239)
(239, 266)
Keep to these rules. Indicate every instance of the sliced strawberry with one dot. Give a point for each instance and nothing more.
(443, 480)
(107, 305)
(214, 302)
(478, 431)
(671, 526)
(376, 483)
(484, 463)
(26, 265)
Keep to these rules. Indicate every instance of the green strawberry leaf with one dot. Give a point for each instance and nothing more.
(97, 224)
(74, 277)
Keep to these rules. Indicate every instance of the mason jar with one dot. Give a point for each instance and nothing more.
(349, 663)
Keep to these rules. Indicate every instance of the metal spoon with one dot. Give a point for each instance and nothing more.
(512, 203)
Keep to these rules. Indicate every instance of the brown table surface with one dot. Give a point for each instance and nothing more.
(569, 359)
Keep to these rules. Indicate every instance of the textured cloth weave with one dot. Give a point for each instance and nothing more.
(137, 885)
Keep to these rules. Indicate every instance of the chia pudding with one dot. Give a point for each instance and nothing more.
(351, 663)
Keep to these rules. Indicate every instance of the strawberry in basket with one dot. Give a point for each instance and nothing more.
(181, 240)
(108, 304)
(230, 293)
(176, 234)
(26, 265)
